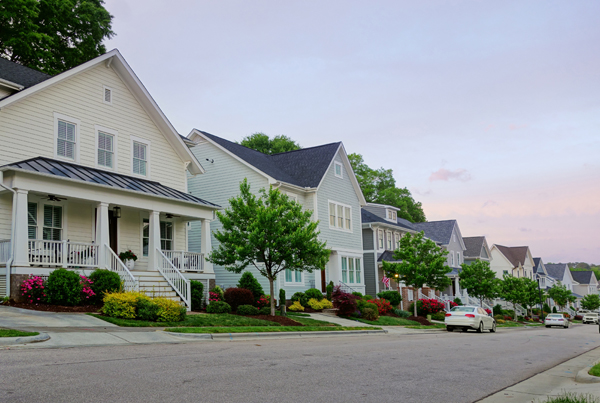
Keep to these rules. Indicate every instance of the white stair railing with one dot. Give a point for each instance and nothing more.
(176, 280)
(4, 250)
(113, 263)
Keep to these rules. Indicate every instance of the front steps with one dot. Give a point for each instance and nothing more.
(153, 284)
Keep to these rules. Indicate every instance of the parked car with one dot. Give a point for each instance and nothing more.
(469, 317)
(590, 317)
(557, 319)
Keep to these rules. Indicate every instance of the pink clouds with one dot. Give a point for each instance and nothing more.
(443, 174)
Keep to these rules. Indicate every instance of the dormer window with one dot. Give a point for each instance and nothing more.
(392, 215)
(337, 166)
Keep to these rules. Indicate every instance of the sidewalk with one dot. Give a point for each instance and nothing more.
(553, 382)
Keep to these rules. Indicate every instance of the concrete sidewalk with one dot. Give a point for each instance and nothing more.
(570, 376)
(27, 319)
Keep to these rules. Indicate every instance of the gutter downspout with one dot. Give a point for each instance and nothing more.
(12, 232)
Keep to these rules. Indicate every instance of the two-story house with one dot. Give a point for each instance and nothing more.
(586, 282)
(513, 260)
(91, 167)
(476, 249)
(560, 272)
(320, 178)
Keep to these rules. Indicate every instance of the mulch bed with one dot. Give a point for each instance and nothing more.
(54, 308)
(282, 320)
(421, 320)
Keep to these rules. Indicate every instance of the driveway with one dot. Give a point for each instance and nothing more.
(25, 319)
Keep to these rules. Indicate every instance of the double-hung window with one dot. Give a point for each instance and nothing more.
(106, 150)
(392, 215)
(451, 258)
(380, 239)
(351, 270)
(52, 230)
(140, 155)
(338, 169)
(293, 276)
(340, 216)
(396, 240)
(166, 236)
(66, 139)
(458, 258)
(389, 240)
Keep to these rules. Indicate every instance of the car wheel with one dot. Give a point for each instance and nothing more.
(449, 328)
(547, 326)
(493, 329)
(464, 329)
(480, 328)
(567, 326)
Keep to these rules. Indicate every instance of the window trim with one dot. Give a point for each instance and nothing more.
(397, 237)
(160, 220)
(77, 123)
(458, 258)
(380, 240)
(335, 165)
(115, 134)
(293, 283)
(344, 207)
(148, 144)
(112, 92)
(451, 259)
(389, 242)
(354, 271)
(393, 213)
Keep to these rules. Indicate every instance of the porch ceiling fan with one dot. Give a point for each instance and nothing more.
(55, 198)
(169, 215)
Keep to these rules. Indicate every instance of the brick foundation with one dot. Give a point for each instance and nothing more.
(16, 280)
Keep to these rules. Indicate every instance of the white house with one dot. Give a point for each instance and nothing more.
(513, 260)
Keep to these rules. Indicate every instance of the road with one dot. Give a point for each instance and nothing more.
(440, 367)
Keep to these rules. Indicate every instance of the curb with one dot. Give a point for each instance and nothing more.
(231, 336)
(9, 341)
(583, 376)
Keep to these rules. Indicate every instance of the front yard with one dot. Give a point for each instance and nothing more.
(16, 333)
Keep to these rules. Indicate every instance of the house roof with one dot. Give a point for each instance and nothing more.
(66, 170)
(367, 217)
(20, 75)
(582, 277)
(387, 256)
(474, 244)
(556, 270)
(438, 231)
(515, 254)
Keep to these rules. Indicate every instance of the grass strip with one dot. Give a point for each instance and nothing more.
(388, 321)
(595, 371)
(199, 320)
(572, 398)
(262, 329)
(434, 326)
(16, 333)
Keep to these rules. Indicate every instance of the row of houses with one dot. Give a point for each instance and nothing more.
(90, 167)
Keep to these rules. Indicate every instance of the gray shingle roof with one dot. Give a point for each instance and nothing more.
(304, 168)
(582, 277)
(474, 244)
(387, 256)
(368, 217)
(97, 176)
(438, 231)
(21, 75)
(515, 254)
(556, 270)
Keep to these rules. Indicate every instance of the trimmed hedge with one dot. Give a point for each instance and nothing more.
(122, 304)
(301, 297)
(63, 287)
(197, 294)
(218, 307)
(238, 296)
(393, 297)
(104, 281)
(313, 293)
(247, 310)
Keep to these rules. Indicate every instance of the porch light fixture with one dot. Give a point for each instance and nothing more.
(117, 212)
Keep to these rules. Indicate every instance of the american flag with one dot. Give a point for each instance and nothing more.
(386, 281)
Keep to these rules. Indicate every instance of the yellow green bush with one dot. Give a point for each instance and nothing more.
(315, 304)
(500, 321)
(296, 306)
(122, 304)
(326, 304)
(169, 310)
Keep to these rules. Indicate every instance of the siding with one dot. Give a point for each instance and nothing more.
(370, 266)
(5, 214)
(27, 127)
(79, 219)
(367, 238)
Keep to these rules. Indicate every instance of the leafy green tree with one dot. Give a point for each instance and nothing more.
(560, 294)
(513, 290)
(379, 186)
(479, 280)
(422, 263)
(249, 282)
(571, 298)
(531, 296)
(53, 35)
(278, 144)
(591, 302)
(270, 232)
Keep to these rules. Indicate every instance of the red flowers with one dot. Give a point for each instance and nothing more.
(383, 306)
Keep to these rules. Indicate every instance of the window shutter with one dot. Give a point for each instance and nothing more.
(107, 95)
(32, 220)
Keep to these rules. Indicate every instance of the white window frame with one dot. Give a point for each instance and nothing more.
(356, 263)
(396, 240)
(134, 139)
(77, 123)
(112, 94)
(452, 259)
(380, 240)
(344, 218)
(115, 134)
(294, 282)
(335, 165)
(292, 196)
(389, 242)
(458, 258)
(392, 215)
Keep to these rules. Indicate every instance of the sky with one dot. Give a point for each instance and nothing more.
(488, 112)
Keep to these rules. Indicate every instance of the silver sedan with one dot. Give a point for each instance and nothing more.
(557, 319)
(469, 317)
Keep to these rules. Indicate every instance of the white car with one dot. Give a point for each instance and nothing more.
(469, 317)
(557, 319)
(590, 317)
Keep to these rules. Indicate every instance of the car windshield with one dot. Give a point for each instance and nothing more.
(463, 309)
(556, 315)
(591, 314)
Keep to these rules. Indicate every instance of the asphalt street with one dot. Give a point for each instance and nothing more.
(439, 367)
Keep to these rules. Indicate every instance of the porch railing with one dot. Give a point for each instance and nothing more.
(180, 284)
(186, 261)
(4, 250)
(346, 288)
(113, 263)
(63, 253)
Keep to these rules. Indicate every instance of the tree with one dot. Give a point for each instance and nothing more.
(571, 298)
(422, 262)
(560, 294)
(513, 291)
(53, 35)
(261, 142)
(270, 232)
(531, 296)
(479, 280)
(591, 302)
(379, 186)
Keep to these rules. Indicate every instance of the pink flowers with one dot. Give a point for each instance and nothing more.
(33, 289)
(86, 291)
(214, 296)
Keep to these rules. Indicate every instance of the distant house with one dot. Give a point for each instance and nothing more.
(477, 249)
(560, 272)
(587, 283)
(541, 274)
(513, 260)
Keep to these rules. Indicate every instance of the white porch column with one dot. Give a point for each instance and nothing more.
(102, 234)
(206, 245)
(21, 236)
(154, 239)
(457, 283)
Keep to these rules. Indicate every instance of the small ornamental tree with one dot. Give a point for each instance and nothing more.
(513, 291)
(270, 232)
(422, 262)
(479, 280)
(591, 302)
(531, 295)
(249, 282)
(560, 294)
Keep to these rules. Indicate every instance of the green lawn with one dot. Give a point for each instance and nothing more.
(516, 324)
(595, 370)
(572, 398)
(312, 322)
(16, 333)
(260, 329)
(389, 321)
(434, 326)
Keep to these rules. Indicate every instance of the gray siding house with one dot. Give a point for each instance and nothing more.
(320, 178)
(477, 249)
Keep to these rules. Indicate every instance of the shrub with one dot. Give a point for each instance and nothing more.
(249, 282)
(344, 302)
(383, 306)
(369, 314)
(326, 304)
(500, 321)
(147, 310)
(247, 310)
(401, 313)
(578, 317)
(536, 311)
(315, 304)
(314, 293)
(218, 293)
(427, 306)
(457, 301)
(33, 289)
(441, 316)
(197, 296)
(296, 306)
(367, 297)
(362, 305)
(122, 304)
(218, 307)
(104, 281)
(87, 294)
(263, 301)
(329, 290)
(300, 296)
(358, 294)
(497, 309)
(554, 309)
(393, 296)
(169, 310)
(498, 317)
(238, 296)
(281, 297)
(265, 310)
(546, 307)
(63, 287)
(508, 317)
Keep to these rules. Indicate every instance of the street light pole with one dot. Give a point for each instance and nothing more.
(541, 306)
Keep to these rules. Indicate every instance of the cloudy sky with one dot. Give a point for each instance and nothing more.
(489, 112)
